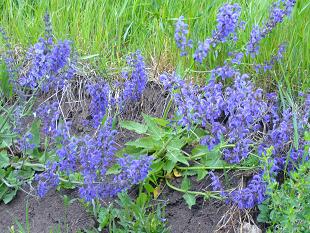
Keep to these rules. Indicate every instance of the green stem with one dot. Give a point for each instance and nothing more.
(69, 181)
(221, 147)
(215, 168)
(27, 164)
(206, 194)
(8, 184)
(167, 109)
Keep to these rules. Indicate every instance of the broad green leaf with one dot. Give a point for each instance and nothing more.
(161, 122)
(201, 174)
(103, 218)
(177, 156)
(153, 129)
(3, 190)
(157, 165)
(141, 200)
(190, 199)
(176, 144)
(134, 126)
(35, 130)
(209, 158)
(148, 187)
(145, 142)
(4, 159)
(169, 165)
(25, 174)
(2, 173)
(8, 197)
(186, 184)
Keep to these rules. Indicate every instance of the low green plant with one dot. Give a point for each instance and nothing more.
(17, 162)
(288, 209)
(177, 153)
(131, 215)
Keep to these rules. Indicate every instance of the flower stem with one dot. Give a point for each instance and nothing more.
(207, 194)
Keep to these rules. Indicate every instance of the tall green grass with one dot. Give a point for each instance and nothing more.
(112, 28)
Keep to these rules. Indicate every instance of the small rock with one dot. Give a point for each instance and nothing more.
(249, 228)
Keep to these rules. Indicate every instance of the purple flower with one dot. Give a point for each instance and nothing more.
(47, 180)
(216, 184)
(26, 143)
(227, 22)
(278, 11)
(181, 31)
(134, 82)
(253, 194)
(133, 170)
(49, 114)
(268, 65)
(100, 94)
(202, 50)
(255, 38)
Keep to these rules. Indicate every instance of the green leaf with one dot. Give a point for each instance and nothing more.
(2, 173)
(264, 212)
(25, 174)
(153, 129)
(201, 174)
(145, 142)
(4, 159)
(157, 166)
(115, 169)
(5, 84)
(103, 218)
(190, 199)
(8, 197)
(160, 121)
(134, 126)
(186, 184)
(148, 187)
(35, 131)
(176, 144)
(169, 165)
(3, 190)
(177, 156)
(209, 158)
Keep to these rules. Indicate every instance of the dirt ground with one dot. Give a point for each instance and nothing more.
(45, 215)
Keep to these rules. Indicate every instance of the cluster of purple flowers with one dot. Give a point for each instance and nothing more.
(227, 24)
(100, 96)
(280, 9)
(134, 82)
(181, 31)
(235, 113)
(25, 142)
(253, 194)
(92, 157)
(48, 114)
(241, 115)
(268, 65)
(51, 64)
